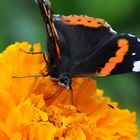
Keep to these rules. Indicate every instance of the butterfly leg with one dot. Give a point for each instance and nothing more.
(33, 75)
(44, 55)
(30, 52)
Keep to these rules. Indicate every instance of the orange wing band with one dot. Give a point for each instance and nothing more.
(123, 45)
(85, 21)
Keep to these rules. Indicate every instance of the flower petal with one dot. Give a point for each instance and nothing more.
(38, 108)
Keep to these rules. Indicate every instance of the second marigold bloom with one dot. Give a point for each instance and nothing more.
(39, 109)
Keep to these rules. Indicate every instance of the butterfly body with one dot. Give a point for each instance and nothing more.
(85, 46)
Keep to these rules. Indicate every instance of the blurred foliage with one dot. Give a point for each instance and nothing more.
(20, 20)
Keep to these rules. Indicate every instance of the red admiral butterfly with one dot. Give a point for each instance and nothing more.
(86, 46)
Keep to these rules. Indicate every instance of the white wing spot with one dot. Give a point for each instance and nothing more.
(133, 53)
(138, 40)
(131, 35)
(57, 15)
(136, 67)
(112, 31)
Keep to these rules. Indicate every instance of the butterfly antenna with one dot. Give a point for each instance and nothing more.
(33, 75)
(28, 52)
(33, 53)
(95, 95)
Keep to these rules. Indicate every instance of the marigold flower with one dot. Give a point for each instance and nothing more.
(38, 108)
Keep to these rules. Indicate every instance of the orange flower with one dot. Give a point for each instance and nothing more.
(38, 108)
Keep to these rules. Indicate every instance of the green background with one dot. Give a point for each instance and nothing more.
(20, 20)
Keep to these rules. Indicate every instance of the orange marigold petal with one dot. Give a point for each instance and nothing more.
(16, 136)
(38, 108)
(14, 120)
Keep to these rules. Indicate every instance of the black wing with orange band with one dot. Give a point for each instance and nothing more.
(46, 11)
(86, 46)
(52, 37)
(89, 46)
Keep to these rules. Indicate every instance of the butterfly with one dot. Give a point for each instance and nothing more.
(82, 46)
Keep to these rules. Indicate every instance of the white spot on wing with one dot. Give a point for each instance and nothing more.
(136, 67)
(112, 31)
(131, 35)
(57, 15)
(133, 53)
(138, 40)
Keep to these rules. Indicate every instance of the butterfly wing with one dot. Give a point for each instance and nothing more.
(89, 47)
(127, 57)
(52, 37)
(81, 44)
